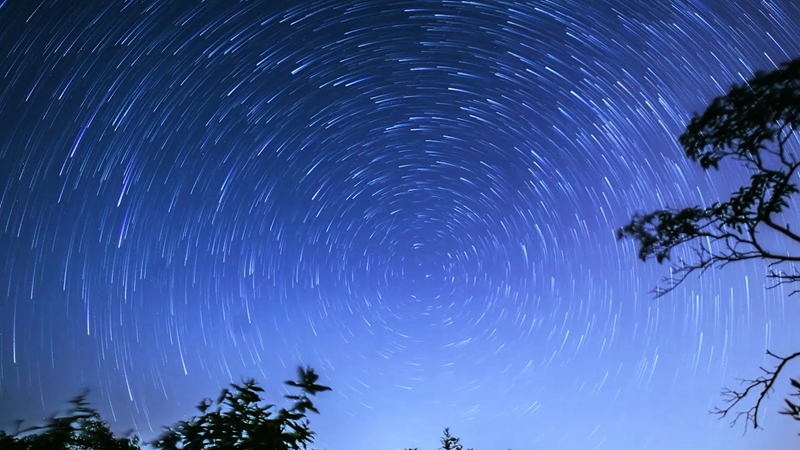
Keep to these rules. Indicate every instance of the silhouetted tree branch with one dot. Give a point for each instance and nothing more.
(754, 125)
(762, 385)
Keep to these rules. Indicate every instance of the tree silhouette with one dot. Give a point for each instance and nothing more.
(450, 442)
(752, 125)
(79, 428)
(239, 419)
(447, 442)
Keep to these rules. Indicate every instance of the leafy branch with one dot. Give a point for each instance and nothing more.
(753, 125)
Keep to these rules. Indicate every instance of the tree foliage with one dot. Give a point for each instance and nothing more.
(448, 442)
(239, 419)
(79, 428)
(752, 125)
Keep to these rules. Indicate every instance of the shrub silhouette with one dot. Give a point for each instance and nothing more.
(79, 428)
(238, 419)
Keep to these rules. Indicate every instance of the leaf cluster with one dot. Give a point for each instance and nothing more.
(750, 115)
(792, 407)
(752, 125)
(239, 419)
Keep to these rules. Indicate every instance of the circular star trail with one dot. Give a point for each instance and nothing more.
(416, 198)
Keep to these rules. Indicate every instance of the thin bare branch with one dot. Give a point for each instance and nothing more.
(763, 385)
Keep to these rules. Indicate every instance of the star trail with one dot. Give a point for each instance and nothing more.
(416, 198)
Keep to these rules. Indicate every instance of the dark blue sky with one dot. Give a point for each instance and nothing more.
(416, 198)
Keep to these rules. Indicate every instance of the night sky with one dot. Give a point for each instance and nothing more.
(416, 198)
